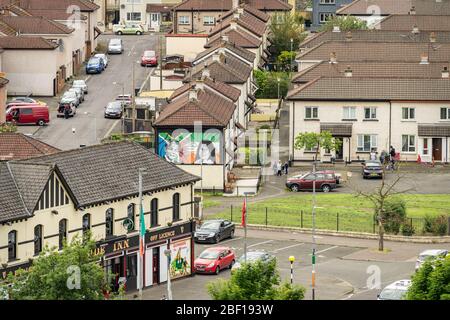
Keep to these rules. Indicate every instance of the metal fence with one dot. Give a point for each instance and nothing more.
(332, 221)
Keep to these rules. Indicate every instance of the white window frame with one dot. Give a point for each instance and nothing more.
(373, 141)
(209, 21)
(409, 113)
(372, 113)
(316, 109)
(327, 2)
(184, 20)
(349, 113)
(323, 16)
(133, 14)
(410, 147)
(447, 113)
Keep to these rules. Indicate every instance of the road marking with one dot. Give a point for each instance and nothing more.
(288, 247)
(87, 78)
(111, 129)
(132, 49)
(259, 243)
(229, 240)
(330, 248)
(146, 79)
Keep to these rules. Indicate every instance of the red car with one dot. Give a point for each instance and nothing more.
(325, 181)
(28, 114)
(212, 260)
(149, 58)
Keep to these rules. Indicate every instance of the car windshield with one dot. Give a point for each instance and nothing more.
(373, 164)
(94, 61)
(424, 257)
(69, 94)
(393, 294)
(114, 106)
(211, 225)
(149, 54)
(114, 43)
(251, 256)
(209, 254)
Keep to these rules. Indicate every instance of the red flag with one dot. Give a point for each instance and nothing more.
(244, 213)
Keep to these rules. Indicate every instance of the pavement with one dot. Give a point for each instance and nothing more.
(89, 123)
(345, 267)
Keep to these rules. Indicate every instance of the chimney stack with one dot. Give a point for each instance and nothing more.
(235, 4)
(433, 37)
(216, 57)
(445, 73)
(205, 72)
(412, 11)
(333, 58)
(240, 10)
(348, 72)
(233, 24)
(349, 36)
(336, 29)
(225, 38)
(199, 85)
(193, 94)
(415, 29)
(424, 58)
(236, 15)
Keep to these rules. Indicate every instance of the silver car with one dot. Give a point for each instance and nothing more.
(115, 46)
(104, 57)
(70, 97)
(80, 84)
(253, 256)
(79, 92)
(430, 255)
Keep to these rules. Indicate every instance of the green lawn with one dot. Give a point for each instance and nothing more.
(343, 212)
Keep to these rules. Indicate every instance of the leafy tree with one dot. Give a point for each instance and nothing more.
(54, 275)
(7, 127)
(286, 60)
(267, 83)
(431, 282)
(345, 23)
(285, 27)
(394, 215)
(255, 281)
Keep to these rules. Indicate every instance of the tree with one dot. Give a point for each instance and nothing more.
(72, 274)
(285, 27)
(267, 83)
(345, 23)
(431, 282)
(255, 281)
(286, 60)
(394, 215)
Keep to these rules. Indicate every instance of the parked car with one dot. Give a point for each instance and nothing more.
(325, 181)
(431, 254)
(80, 84)
(20, 103)
(79, 92)
(125, 98)
(114, 110)
(63, 106)
(115, 46)
(395, 291)
(26, 100)
(149, 58)
(128, 28)
(214, 259)
(372, 169)
(28, 114)
(104, 57)
(214, 231)
(70, 97)
(95, 65)
(253, 256)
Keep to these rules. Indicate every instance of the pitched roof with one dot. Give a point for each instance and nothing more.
(238, 51)
(60, 15)
(26, 42)
(225, 5)
(372, 69)
(159, 7)
(373, 89)
(237, 37)
(12, 205)
(387, 7)
(375, 35)
(269, 5)
(423, 22)
(84, 5)
(245, 20)
(377, 51)
(109, 171)
(35, 25)
(16, 146)
(256, 12)
(229, 91)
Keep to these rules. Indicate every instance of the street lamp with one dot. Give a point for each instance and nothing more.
(292, 260)
(291, 68)
(169, 288)
(123, 104)
(278, 82)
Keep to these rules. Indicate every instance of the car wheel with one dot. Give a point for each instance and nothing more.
(326, 188)
(216, 239)
(232, 234)
(41, 122)
(138, 33)
(295, 188)
(231, 264)
(217, 270)
(119, 33)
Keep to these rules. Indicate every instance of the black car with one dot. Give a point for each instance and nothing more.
(214, 230)
(114, 110)
(372, 169)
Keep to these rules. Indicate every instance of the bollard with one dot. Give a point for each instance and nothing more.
(337, 221)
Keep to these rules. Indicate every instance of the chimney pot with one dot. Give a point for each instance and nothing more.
(193, 94)
(199, 85)
(216, 57)
(415, 29)
(424, 58)
(225, 38)
(233, 24)
(333, 58)
(348, 72)
(445, 73)
(205, 72)
(412, 11)
(336, 29)
(240, 10)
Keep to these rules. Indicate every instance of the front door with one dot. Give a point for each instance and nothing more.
(154, 20)
(132, 272)
(155, 265)
(437, 149)
(340, 150)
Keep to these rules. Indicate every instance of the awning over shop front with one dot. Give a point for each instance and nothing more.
(434, 130)
(337, 129)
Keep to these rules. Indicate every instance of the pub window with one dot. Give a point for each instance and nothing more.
(154, 213)
(109, 225)
(37, 239)
(176, 206)
(12, 245)
(62, 232)
(86, 223)
(131, 215)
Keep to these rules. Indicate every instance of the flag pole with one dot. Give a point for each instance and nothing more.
(245, 229)
(141, 237)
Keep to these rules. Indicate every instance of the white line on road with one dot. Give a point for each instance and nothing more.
(259, 243)
(111, 129)
(288, 247)
(229, 240)
(330, 248)
(87, 78)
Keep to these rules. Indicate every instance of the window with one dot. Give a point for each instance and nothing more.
(445, 113)
(176, 207)
(37, 239)
(425, 146)
(350, 113)
(370, 113)
(323, 17)
(311, 112)
(209, 21)
(86, 223)
(62, 232)
(408, 113)
(130, 215)
(109, 223)
(26, 111)
(12, 245)
(313, 149)
(154, 213)
(408, 143)
(327, 2)
(133, 16)
(183, 20)
(367, 142)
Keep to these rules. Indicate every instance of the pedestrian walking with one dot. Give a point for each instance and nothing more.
(286, 168)
(279, 168)
(373, 155)
(392, 157)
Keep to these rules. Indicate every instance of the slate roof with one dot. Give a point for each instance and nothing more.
(434, 130)
(229, 91)
(237, 37)
(84, 5)
(35, 25)
(245, 20)
(26, 42)
(16, 146)
(377, 51)
(245, 54)
(337, 129)
(372, 69)
(387, 7)
(373, 89)
(423, 22)
(61, 15)
(225, 5)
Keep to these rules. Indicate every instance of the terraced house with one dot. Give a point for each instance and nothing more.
(51, 199)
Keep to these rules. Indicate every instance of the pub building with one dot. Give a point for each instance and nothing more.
(49, 199)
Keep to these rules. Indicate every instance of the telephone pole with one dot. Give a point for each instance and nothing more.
(160, 62)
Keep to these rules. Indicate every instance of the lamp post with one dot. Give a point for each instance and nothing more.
(278, 87)
(291, 69)
(123, 104)
(169, 288)
(292, 260)
(142, 236)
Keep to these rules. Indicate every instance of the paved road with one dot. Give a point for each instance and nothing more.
(343, 266)
(89, 123)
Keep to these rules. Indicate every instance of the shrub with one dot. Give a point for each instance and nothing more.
(394, 215)
(408, 229)
(435, 225)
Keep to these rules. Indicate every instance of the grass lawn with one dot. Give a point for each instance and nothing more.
(343, 212)
(211, 200)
